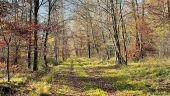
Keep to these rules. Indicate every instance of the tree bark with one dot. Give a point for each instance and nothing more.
(120, 59)
(8, 70)
(36, 8)
(46, 36)
(168, 3)
(88, 42)
(16, 54)
(56, 46)
(124, 36)
(29, 38)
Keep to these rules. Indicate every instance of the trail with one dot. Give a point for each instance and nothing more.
(96, 77)
(68, 79)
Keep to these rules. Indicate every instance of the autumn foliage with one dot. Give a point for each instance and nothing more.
(148, 50)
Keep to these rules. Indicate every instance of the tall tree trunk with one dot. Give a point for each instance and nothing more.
(141, 35)
(56, 46)
(16, 40)
(29, 50)
(46, 35)
(63, 42)
(81, 45)
(36, 8)
(88, 42)
(8, 57)
(45, 49)
(29, 37)
(93, 35)
(120, 59)
(124, 36)
(168, 3)
(135, 13)
(8, 70)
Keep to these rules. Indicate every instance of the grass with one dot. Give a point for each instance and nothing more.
(93, 77)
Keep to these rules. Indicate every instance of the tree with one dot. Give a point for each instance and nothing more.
(36, 9)
(30, 36)
(119, 57)
(51, 4)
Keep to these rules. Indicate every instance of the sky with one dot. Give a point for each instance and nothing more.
(68, 7)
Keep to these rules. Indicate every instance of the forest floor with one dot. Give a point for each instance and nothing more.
(93, 77)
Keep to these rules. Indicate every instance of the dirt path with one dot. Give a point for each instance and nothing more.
(66, 77)
(72, 79)
(100, 81)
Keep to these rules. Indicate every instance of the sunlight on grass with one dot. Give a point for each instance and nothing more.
(90, 85)
(129, 93)
(80, 71)
(96, 92)
(63, 89)
(96, 77)
(137, 78)
(15, 80)
(49, 77)
(40, 87)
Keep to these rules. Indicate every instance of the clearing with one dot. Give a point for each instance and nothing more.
(92, 77)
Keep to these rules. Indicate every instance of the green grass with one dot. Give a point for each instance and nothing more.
(93, 77)
(79, 70)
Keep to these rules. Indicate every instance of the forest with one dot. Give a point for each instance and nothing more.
(84, 48)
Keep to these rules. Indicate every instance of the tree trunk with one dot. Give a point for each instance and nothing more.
(88, 42)
(141, 35)
(36, 8)
(123, 33)
(168, 2)
(93, 36)
(45, 49)
(29, 38)
(7, 61)
(138, 33)
(120, 59)
(16, 54)
(29, 51)
(8, 70)
(56, 47)
(89, 49)
(63, 42)
(135, 13)
(47, 33)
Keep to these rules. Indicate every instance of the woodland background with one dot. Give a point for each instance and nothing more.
(42, 36)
